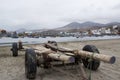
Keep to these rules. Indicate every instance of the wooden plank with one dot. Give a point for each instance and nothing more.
(61, 57)
(57, 56)
(58, 48)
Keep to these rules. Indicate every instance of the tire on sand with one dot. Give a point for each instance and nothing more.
(14, 49)
(30, 64)
(53, 42)
(93, 64)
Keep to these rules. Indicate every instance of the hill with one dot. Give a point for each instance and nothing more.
(85, 26)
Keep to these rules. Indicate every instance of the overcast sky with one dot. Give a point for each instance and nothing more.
(37, 14)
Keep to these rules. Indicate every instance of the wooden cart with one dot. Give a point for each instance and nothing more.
(50, 56)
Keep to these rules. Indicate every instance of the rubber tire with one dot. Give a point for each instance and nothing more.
(94, 64)
(14, 49)
(30, 64)
(53, 42)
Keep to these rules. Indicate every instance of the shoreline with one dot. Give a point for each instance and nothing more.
(10, 44)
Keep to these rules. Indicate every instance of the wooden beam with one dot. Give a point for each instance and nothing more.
(101, 57)
(84, 54)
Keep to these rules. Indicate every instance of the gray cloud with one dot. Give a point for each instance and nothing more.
(15, 14)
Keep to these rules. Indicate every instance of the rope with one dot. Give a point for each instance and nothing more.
(90, 64)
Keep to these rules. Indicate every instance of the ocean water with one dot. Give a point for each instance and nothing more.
(5, 41)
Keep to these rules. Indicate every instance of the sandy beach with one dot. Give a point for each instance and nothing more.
(12, 68)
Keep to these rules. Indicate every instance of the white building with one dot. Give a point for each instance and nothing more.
(96, 32)
(108, 31)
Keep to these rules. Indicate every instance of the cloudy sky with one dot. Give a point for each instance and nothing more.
(37, 14)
